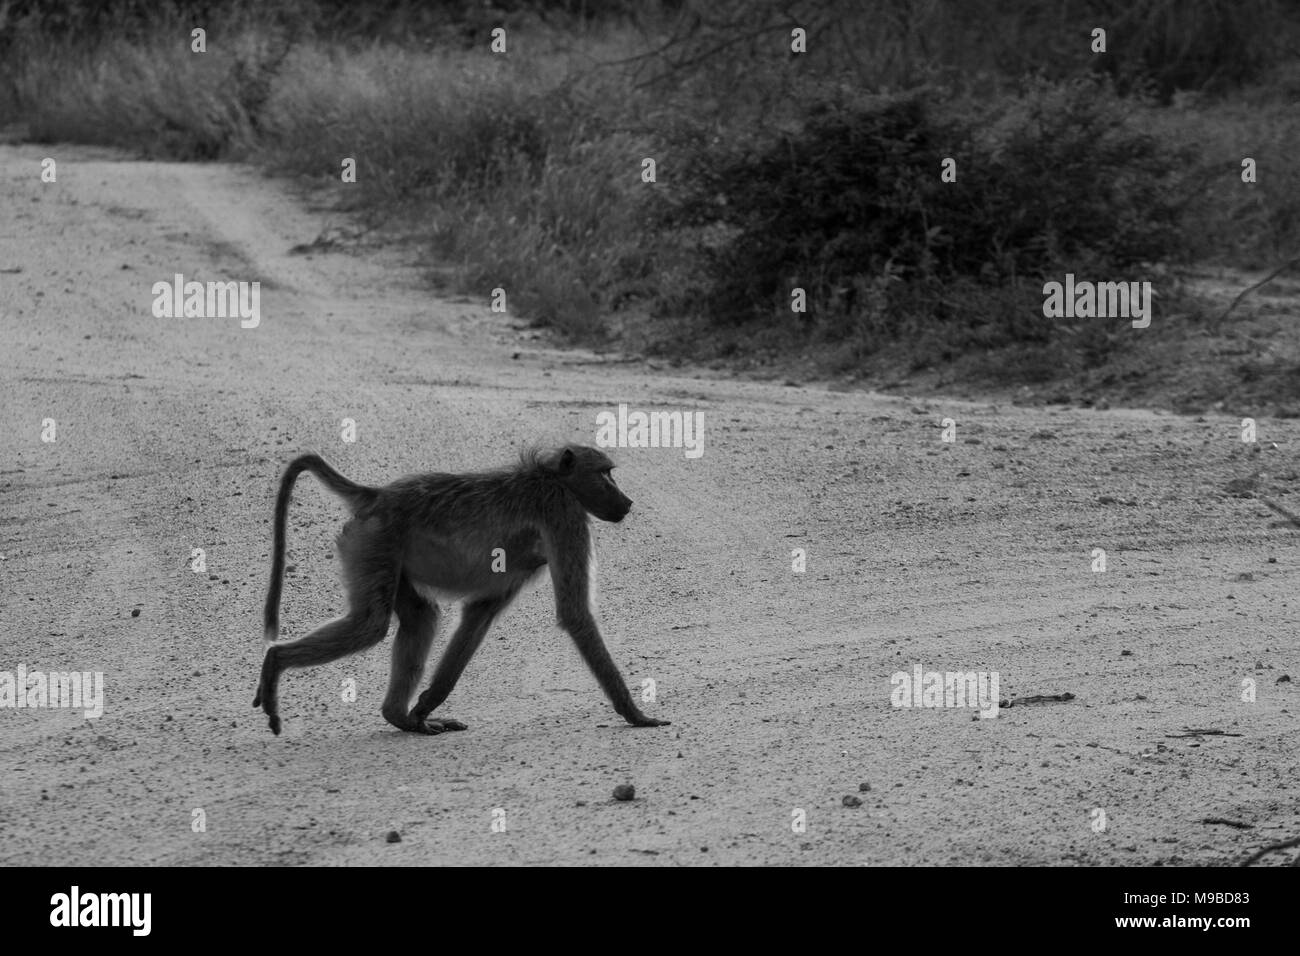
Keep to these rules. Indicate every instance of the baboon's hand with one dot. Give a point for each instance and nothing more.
(641, 720)
(437, 725)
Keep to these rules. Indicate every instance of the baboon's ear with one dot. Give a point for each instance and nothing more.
(566, 462)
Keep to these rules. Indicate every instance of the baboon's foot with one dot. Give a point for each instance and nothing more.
(270, 707)
(415, 723)
(267, 686)
(272, 712)
(437, 725)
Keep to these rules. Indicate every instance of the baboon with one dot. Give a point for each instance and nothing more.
(432, 536)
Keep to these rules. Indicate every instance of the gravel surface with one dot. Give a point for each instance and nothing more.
(970, 555)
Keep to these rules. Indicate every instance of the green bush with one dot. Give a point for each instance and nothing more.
(816, 209)
(851, 207)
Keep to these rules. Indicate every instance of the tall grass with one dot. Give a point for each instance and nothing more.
(150, 92)
(505, 165)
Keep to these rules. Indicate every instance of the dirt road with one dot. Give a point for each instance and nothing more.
(974, 555)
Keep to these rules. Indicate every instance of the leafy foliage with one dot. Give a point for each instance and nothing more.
(853, 209)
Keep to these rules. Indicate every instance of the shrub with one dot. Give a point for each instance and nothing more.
(851, 208)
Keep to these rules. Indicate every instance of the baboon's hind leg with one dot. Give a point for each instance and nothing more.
(475, 620)
(417, 624)
(372, 579)
(329, 642)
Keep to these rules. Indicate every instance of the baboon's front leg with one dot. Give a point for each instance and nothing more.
(582, 628)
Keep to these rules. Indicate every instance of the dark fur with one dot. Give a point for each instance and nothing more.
(439, 530)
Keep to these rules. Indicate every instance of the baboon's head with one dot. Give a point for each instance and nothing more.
(586, 472)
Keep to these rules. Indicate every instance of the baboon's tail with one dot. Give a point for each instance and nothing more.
(355, 495)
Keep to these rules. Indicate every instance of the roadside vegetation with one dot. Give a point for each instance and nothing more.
(773, 169)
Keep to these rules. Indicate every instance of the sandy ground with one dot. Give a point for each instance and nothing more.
(971, 555)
